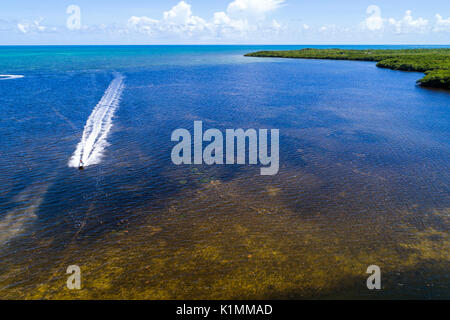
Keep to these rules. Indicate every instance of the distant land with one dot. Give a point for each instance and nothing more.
(435, 63)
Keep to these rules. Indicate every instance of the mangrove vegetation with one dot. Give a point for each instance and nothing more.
(435, 63)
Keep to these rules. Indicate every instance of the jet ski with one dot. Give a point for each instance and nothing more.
(81, 165)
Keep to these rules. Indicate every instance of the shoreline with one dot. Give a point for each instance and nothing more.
(435, 63)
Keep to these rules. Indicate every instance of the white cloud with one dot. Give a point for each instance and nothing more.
(276, 25)
(178, 20)
(253, 7)
(246, 16)
(142, 24)
(442, 25)
(241, 18)
(23, 28)
(32, 26)
(179, 14)
(250, 21)
(227, 27)
(374, 22)
(223, 20)
(408, 25)
(330, 29)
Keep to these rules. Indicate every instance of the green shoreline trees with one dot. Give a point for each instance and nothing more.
(435, 63)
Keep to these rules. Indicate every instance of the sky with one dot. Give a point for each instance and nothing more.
(61, 22)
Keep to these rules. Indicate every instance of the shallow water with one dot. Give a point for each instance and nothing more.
(364, 178)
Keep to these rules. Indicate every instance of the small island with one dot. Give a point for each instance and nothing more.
(435, 63)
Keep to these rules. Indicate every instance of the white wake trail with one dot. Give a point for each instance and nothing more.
(98, 125)
(10, 76)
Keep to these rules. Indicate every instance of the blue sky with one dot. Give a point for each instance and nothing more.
(225, 22)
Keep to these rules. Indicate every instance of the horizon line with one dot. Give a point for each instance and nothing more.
(232, 44)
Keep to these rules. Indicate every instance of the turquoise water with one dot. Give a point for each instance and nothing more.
(364, 177)
(20, 59)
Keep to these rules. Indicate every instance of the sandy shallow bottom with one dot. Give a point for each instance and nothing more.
(234, 240)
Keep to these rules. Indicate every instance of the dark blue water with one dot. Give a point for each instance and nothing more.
(364, 177)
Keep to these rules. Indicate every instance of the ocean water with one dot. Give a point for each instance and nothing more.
(363, 180)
